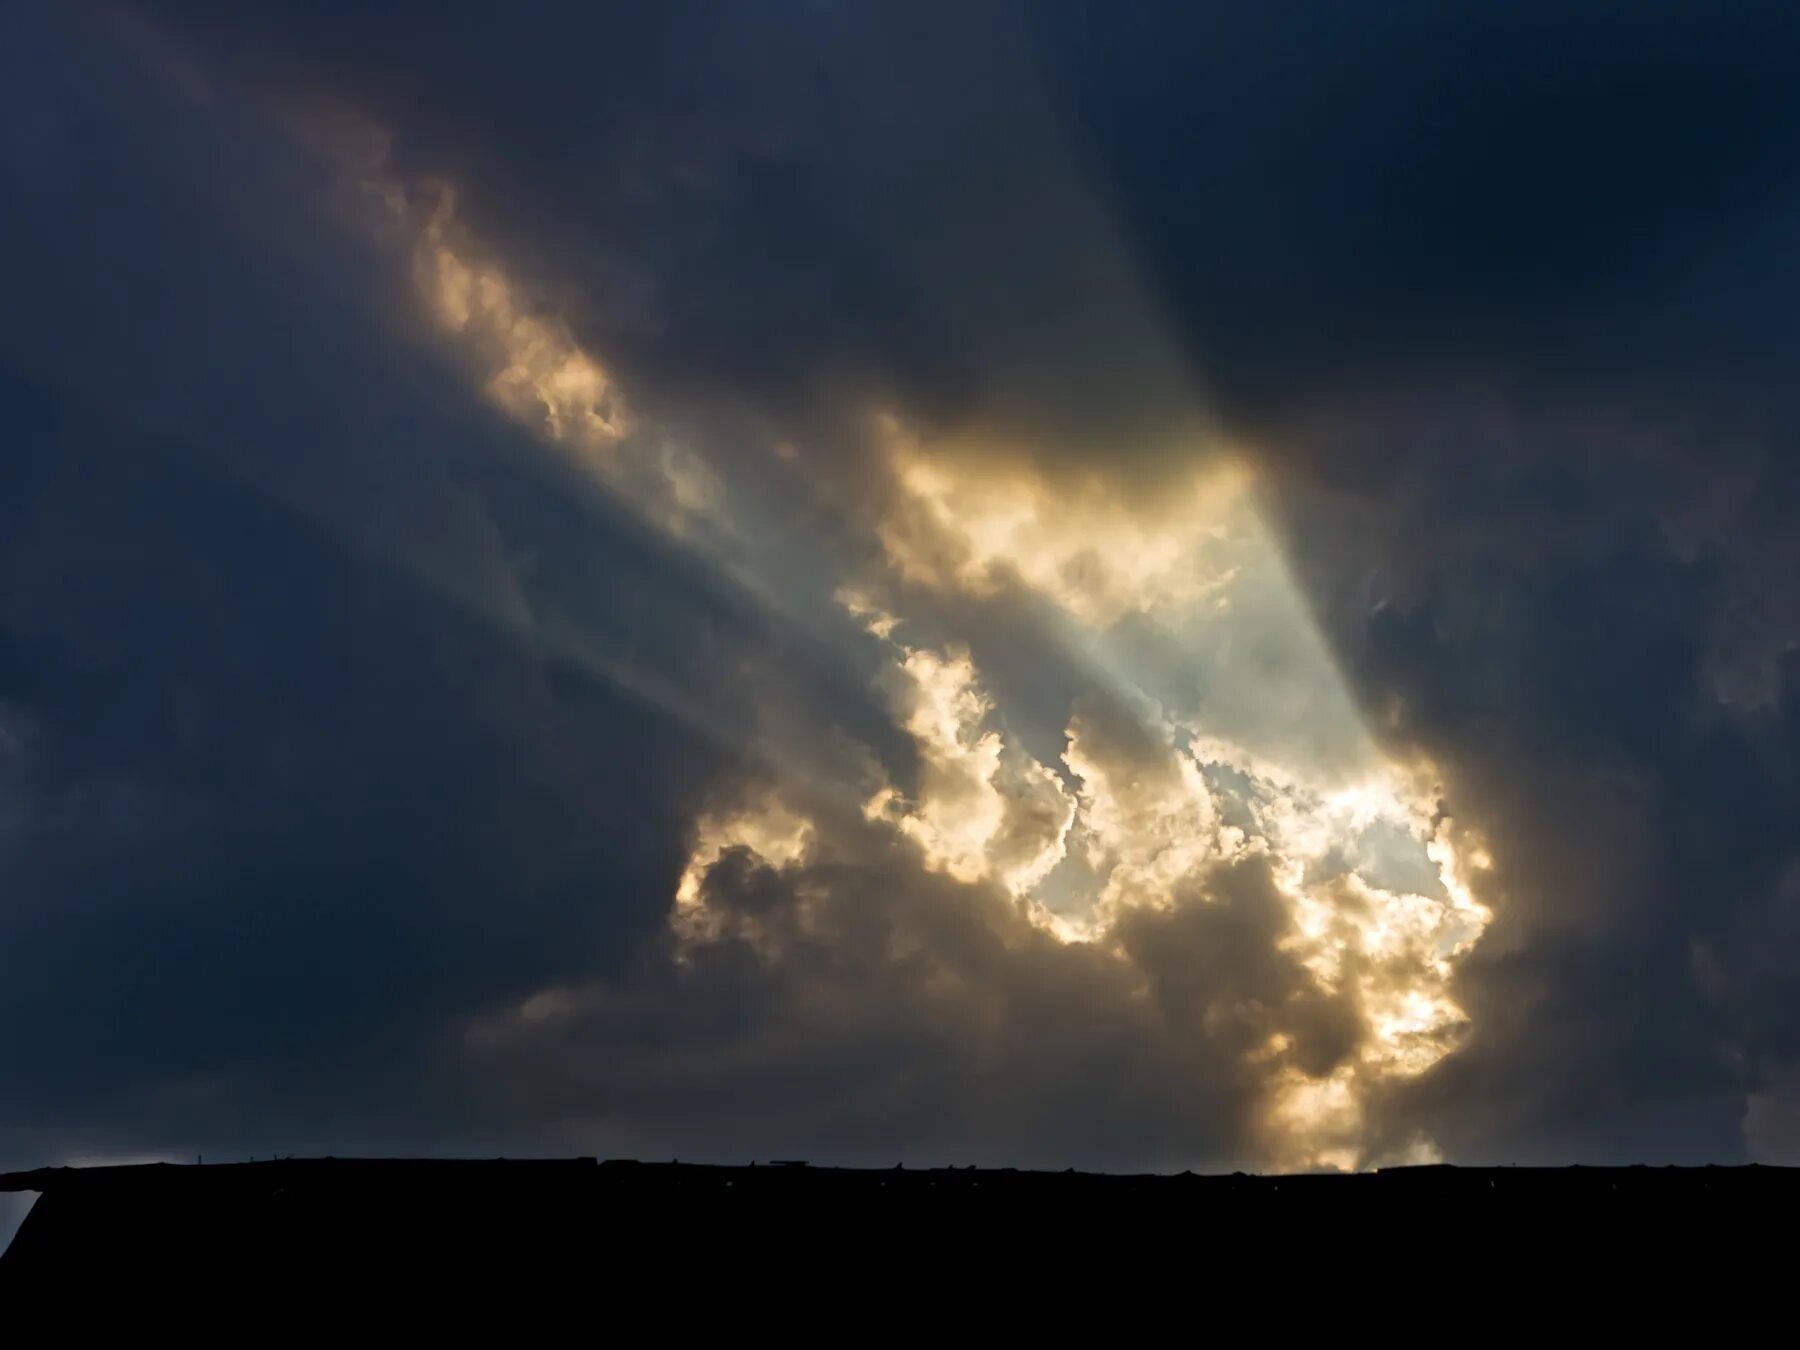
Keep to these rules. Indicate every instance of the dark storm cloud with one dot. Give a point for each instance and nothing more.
(996, 209)
(802, 206)
(1332, 194)
(1501, 293)
(295, 769)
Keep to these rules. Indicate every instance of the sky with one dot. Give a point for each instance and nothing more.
(1135, 587)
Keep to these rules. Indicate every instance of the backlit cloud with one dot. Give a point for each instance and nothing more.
(895, 582)
(1150, 799)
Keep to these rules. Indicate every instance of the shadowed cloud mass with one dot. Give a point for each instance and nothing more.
(1200, 587)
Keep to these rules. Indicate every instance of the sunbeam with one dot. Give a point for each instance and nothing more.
(1207, 724)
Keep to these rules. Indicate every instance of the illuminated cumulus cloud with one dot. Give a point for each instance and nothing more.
(767, 835)
(1148, 821)
(1155, 814)
(983, 809)
(1218, 868)
(1221, 1041)
(965, 527)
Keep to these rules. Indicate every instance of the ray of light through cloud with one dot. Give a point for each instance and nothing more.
(994, 584)
(1214, 726)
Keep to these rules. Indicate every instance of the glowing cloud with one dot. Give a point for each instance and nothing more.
(543, 373)
(529, 362)
(1217, 733)
(959, 527)
(984, 809)
(765, 833)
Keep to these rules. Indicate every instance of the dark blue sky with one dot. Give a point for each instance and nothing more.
(359, 720)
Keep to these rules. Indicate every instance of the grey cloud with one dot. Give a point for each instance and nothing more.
(871, 1010)
(1500, 301)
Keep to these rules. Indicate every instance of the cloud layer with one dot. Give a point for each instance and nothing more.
(1201, 589)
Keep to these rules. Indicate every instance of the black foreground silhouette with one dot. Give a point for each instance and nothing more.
(396, 1225)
